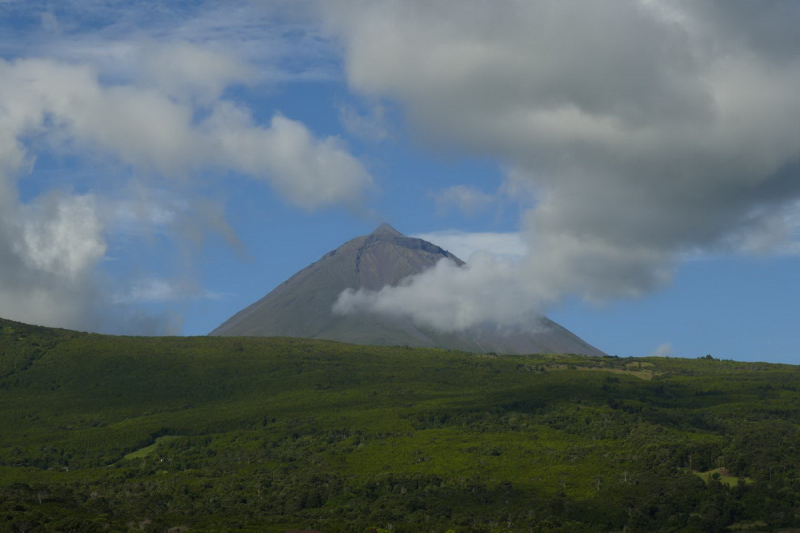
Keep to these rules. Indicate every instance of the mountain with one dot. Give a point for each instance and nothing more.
(301, 306)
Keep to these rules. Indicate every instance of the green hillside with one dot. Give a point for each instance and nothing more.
(102, 433)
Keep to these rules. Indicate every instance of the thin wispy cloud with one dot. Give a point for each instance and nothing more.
(508, 246)
(663, 350)
(464, 198)
(278, 37)
(370, 125)
(160, 290)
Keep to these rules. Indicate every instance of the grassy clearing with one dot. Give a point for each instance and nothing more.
(646, 375)
(719, 474)
(147, 450)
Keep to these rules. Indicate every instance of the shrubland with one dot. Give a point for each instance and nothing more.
(103, 433)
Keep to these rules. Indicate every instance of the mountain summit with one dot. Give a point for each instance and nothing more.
(302, 305)
(386, 229)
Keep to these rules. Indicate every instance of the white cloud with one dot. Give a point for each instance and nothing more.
(146, 128)
(144, 214)
(60, 235)
(159, 290)
(370, 126)
(279, 37)
(663, 350)
(308, 172)
(467, 199)
(463, 244)
(50, 22)
(449, 298)
(647, 129)
(184, 70)
(47, 252)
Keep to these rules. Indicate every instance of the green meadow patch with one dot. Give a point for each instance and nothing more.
(147, 450)
(719, 474)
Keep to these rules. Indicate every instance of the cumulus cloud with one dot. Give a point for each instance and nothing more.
(60, 235)
(308, 172)
(149, 130)
(47, 251)
(647, 129)
(171, 123)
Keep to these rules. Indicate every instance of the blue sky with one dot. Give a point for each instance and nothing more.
(628, 168)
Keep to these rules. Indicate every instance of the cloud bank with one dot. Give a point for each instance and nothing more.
(646, 129)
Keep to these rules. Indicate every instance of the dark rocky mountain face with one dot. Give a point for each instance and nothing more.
(302, 305)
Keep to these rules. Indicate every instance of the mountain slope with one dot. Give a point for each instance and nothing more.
(301, 306)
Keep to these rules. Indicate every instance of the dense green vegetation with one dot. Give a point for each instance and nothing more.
(277, 434)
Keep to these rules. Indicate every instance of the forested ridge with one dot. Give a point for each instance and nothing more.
(103, 433)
